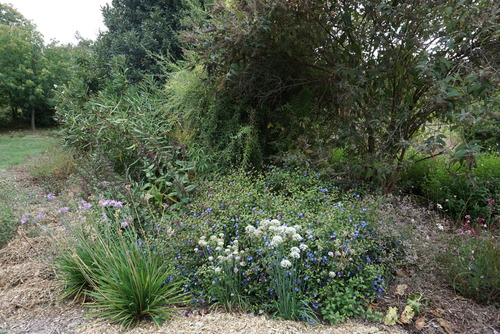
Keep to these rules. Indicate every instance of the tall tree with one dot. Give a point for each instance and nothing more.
(29, 70)
(139, 30)
(22, 62)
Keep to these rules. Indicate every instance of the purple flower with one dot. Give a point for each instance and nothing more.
(104, 217)
(63, 209)
(25, 218)
(107, 202)
(51, 196)
(124, 224)
(104, 202)
(84, 205)
(116, 204)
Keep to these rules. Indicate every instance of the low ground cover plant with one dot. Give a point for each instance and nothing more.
(284, 242)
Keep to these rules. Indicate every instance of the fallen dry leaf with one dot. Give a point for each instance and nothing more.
(401, 289)
(446, 326)
(420, 323)
(407, 314)
(391, 316)
(438, 313)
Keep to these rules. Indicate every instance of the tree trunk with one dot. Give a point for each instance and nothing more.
(33, 119)
(13, 110)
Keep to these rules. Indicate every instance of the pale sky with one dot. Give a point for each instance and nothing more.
(61, 19)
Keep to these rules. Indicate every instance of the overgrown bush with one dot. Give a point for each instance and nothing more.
(105, 258)
(472, 266)
(130, 128)
(285, 242)
(481, 123)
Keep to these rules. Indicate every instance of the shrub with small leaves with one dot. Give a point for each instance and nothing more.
(286, 242)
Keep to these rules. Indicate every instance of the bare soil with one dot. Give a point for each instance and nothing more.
(29, 294)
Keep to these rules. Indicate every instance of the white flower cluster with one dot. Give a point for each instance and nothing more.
(277, 232)
(227, 254)
(285, 263)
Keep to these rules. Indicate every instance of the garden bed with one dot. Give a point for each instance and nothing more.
(28, 293)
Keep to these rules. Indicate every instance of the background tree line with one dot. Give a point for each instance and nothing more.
(249, 82)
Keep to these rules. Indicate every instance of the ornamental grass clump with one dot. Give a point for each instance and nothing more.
(104, 260)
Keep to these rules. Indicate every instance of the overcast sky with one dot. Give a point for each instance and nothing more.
(61, 19)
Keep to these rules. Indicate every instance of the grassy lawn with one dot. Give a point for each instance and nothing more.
(16, 150)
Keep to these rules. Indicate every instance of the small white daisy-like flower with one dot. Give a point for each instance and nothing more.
(217, 269)
(296, 237)
(295, 255)
(303, 247)
(332, 274)
(331, 254)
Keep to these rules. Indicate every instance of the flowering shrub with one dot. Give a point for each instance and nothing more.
(285, 242)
